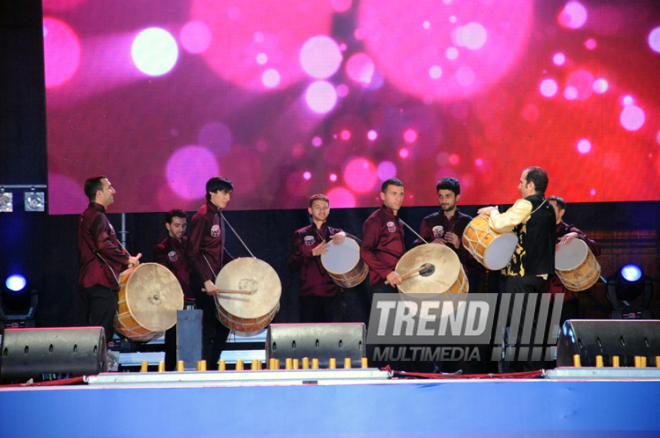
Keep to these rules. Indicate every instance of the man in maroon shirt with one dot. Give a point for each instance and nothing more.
(206, 255)
(101, 257)
(320, 297)
(382, 244)
(566, 233)
(171, 254)
(446, 226)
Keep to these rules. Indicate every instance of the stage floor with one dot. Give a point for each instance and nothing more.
(368, 405)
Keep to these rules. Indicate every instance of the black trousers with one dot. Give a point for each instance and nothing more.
(529, 284)
(321, 309)
(100, 304)
(214, 333)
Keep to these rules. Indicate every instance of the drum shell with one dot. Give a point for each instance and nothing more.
(478, 237)
(244, 324)
(125, 322)
(584, 276)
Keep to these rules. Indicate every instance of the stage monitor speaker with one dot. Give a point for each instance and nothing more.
(29, 353)
(320, 341)
(606, 337)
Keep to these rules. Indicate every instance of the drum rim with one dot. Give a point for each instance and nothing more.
(582, 244)
(351, 242)
(515, 240)
(460, 265)
(277, 290)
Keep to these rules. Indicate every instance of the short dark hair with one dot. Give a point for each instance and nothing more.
(449, 183)
(390, 182)
(318, 197)
(92, 185)
(175, 212)
(218, 183)
(538, 177)
(561, 204)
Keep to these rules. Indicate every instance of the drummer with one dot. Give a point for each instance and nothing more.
(320, 298)
(206, 255)
(532, 219)
(566, 233)
(101, 257)
(171, 254)
(383, 243)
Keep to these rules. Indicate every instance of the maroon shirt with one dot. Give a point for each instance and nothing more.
(96, 239)
(455, 225)
(382, 244)
(554, 284)
(171, 254)
(314, 279)
(205, 252)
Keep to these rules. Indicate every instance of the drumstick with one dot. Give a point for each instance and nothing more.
(414, 271)
(230, 291)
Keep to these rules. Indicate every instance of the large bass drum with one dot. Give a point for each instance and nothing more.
(445, 274)
(149, 297)
(252, 312)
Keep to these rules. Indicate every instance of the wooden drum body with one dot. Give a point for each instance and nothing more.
(149, 297)
(493, 250)
(344, 264)
(576, 266)
(248, 313)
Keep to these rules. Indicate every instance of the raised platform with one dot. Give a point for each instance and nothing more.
(205, 404)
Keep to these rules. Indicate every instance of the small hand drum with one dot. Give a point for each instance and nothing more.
(576, 266)
(344, 264)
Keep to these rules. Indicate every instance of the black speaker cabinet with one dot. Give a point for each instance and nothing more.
(320, 341)
(28, 353)
(607, 338)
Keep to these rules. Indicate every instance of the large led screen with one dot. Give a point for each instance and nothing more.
(289, 98)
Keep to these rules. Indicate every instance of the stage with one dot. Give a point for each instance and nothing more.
(376, 405)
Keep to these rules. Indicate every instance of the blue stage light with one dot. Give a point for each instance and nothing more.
(631, 273)
(15, 282)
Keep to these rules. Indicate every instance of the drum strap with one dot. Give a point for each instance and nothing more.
(236, 234)
(415, 232)
(536, 209)
(109, 267)
(210, 267)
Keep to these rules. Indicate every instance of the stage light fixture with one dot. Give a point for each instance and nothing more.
(18, 302)
(631, 273)
(630, 292)
(6, 201)
(35, 201)
(16, 283)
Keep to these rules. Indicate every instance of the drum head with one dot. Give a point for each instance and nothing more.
(499, 252)
(341, 258)
(250, 274)
(153, 295)
(446, 268)
(571, 255)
